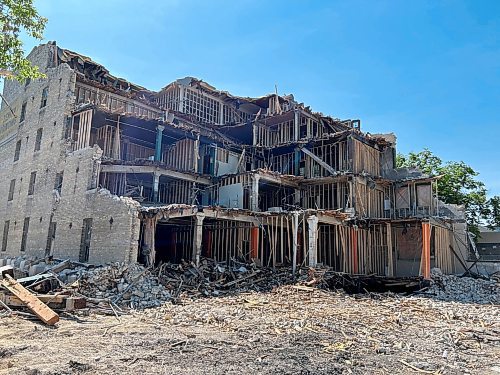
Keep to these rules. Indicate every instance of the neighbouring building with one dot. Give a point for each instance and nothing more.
(486, 257)
(98, 169)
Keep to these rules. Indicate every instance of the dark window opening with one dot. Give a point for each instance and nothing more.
(58, 182)
(26, 226)
(23, 112)
(31, 188)
(45, 95)
(11, 190)
(5, 235)
(38, 140)
(85, 240)
(67, 128)
(18, 151)
(50, 238)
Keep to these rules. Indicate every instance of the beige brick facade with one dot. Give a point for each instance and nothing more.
(111, 239)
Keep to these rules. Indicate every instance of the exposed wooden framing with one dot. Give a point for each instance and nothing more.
(319, 161)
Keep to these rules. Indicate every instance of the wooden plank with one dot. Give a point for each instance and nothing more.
(54, 301)
(45, 313)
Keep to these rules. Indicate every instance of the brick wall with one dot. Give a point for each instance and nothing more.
(111, 240)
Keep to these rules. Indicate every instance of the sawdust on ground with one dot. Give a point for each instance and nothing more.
(291, 330)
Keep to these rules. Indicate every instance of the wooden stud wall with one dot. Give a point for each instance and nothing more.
(229, 239)
(328, 196)
(366, 158)
(334, 154)
(369, 202)
(112, 102)
(175, 191)
(443, 256)
(181, 155)
(353, 250)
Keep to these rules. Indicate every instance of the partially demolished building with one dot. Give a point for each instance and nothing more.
(98, 169)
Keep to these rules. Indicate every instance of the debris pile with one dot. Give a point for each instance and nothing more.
(214, 279)
(117, 287)
(126, 285)
(464, 289)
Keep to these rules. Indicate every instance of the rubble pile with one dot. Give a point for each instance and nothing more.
(117, 287)
(464, 289)
(214, 279)
(131, 285)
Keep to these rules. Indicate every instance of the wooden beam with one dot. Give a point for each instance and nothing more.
(54, 301)
(278, 180)
(45, 313)
(319, 161)
(120, 168)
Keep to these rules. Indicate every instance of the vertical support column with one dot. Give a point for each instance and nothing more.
(182, 94)
(296, 126)
(196, 155)
(296, 162)
(159, 138)
(254, 242)
(156, 185)
(295, 233)
(254, 197)
(296, 197)
(354, 249)
(197, 237)
(312, 251)
(254, 133)
(390, 260)
(221, 113)
(148, 245)
(425, 261)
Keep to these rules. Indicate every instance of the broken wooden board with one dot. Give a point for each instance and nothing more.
(6, 270)
(58, 302)
(45, 313)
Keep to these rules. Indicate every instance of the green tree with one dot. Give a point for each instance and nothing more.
(494, 212)
(17, 16)
(458, 184)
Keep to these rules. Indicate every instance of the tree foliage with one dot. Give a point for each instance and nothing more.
(18, 16)
(458, 184)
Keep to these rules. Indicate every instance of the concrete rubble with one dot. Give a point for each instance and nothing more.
(464, 289)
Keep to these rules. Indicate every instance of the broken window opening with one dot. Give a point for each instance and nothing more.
(59, 181)
(31, 188)
(45, 95)
(38, 140)
(26, 226)
(5, 235)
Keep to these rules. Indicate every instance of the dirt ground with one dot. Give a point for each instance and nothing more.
(291, 330)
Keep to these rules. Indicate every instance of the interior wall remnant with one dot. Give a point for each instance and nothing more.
(231, 196)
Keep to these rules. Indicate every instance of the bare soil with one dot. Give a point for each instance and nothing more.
(291, 330)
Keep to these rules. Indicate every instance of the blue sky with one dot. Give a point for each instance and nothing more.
(428, 71)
